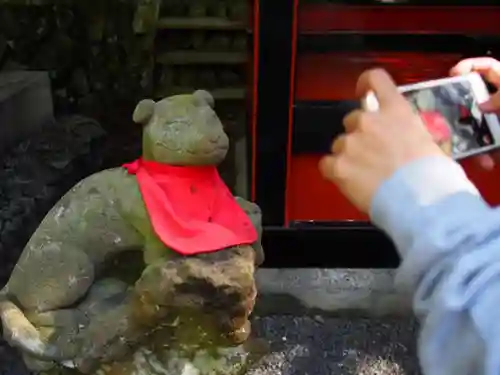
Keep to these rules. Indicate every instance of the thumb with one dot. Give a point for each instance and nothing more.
(492, 104)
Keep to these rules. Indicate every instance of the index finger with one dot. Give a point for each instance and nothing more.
(382, 85)
(488, 67)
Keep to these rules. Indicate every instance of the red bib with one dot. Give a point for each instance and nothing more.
(191, 209)
(437, 125)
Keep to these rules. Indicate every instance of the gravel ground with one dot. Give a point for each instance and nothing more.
(326, 346)
(316, 346)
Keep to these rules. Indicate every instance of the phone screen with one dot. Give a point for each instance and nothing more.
(451, 114)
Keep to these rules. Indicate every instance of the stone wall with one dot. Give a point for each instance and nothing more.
(90, 49)
(36, 173)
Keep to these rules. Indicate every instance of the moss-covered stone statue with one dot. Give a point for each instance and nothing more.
(67, 303)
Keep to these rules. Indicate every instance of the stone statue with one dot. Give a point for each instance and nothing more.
(69, 303)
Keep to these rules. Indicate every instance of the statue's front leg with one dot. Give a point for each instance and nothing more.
(108, 337)
(118, 324)
(255, 214)
(220, 286)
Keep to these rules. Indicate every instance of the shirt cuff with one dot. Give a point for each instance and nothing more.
(398, 204)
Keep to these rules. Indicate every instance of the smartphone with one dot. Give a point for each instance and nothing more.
(449, 109)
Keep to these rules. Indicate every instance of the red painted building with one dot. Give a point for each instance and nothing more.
(307, 57)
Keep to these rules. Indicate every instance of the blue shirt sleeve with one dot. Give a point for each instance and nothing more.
(449, 241)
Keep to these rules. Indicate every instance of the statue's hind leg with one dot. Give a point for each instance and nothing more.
(59, 329)
(64, 326)
(48, 277)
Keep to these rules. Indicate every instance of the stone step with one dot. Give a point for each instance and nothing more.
(306, 291)
(196, 57)
(209, 23)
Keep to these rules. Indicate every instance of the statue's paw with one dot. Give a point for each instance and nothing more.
(96, 354)
(241, 334)
(108, 338)
(99, 351)
(250, 208)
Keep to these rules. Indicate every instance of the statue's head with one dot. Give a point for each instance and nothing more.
(182, 130)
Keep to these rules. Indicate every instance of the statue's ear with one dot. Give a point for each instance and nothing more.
(144, 111)
(203, 97)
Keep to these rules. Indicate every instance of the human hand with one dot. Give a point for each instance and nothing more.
(376, 144)
(489, 68)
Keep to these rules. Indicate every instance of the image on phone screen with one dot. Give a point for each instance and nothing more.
(451, 114)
